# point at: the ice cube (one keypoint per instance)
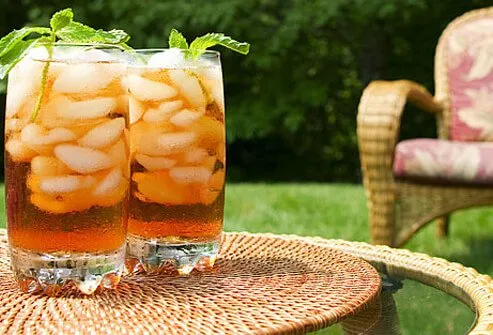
(170, 58)
(176, 142)
(213, 83)
(135, 110)
(16, 96)
(48, 166)
(185, 118)
(189, 86)
(147, 144)
(49, 112)
(154, 163)
(145, 89)
(38, 54)
(118, 153)
(87, 109)
(23, 83)
(65, 184)
(34, 134)
(14, 125)
(109, 183)
(68, 202)
(163, 112)
(95, 55)
(195, 155)
(158, 187)
(19, 151)
(84, 78)
(165, 144)
(210, 191)
(104, 134)
(83, 160)
(190, 174)
(24, 110)
(209, 132)
(50, 119)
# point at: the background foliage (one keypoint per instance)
(292, 102)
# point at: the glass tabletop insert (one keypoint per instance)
(408, 307)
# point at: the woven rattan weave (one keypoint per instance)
(261, 284)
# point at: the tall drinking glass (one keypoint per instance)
(177, 141)
(67, 168)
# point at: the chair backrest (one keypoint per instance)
(464, 77)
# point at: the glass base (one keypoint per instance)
(50, 272)
(154, 255)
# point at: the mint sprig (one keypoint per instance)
(76, 32)
(177, 40)
(61, 19)
(200, 44)
(14, 46)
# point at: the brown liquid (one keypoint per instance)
(97, 229)
(196, 222)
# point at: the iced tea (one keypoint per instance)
(177, 148)
(67, 168)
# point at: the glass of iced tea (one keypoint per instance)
(177, 150)
(67, 167)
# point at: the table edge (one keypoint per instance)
(455, 279)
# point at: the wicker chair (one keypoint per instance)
(413, 182)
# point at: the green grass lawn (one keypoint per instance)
(339, 211)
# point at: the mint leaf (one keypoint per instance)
(11, 40)
(61, 19)
(76, 32)
(200, 44)
(13, 55)
(177, 40)
(114, 36)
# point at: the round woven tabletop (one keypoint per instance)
(260, 284)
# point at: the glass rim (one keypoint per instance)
(82, 46)
(73, 44)
(156, 50)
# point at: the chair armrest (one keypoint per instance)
(379, 118)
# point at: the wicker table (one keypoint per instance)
(264, 284)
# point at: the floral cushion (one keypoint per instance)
(432, 160)
(469, 61)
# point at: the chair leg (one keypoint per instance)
(443, 225)
(382, 218)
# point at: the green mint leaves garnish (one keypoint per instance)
(69, 31)
(177, 40)
(200, 44)
(61, 19)
(14, 46)
(76, 32)
(63, 28)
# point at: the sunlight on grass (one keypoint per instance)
(330, 211)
